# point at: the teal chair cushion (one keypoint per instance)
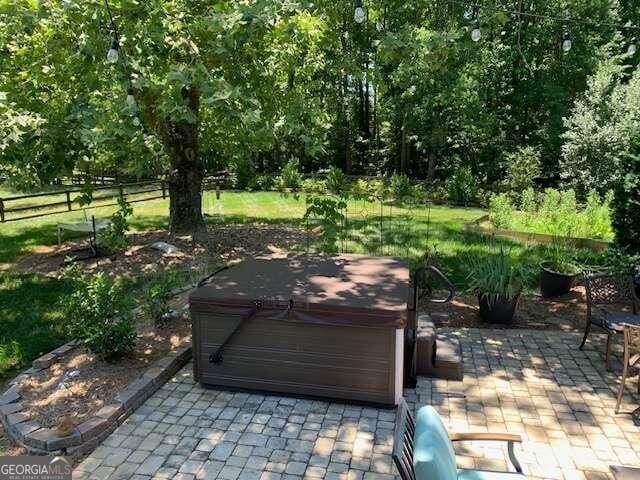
(464, 474)
(433, 454)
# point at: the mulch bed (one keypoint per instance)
(81, 383)
(223, 243)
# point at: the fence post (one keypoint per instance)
(121, 192)
(69, 207)
(1, 210)
(164, 190)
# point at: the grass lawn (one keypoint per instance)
(30, 318)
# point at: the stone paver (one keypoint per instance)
(534, 383)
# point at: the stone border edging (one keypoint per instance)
(598, 245)
(90, 433)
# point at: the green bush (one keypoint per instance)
(242, 175)
(265, 182)
(500, 211)
(155, 303)
(528, 205)
(114, 237)
(328, 212)
(400, 186)
(364, 186)
(462, 187)
(98, 314)
(337, 181)
(620, 261)
(290, 177)
(523, 167)
(314, 185)
(626, 210)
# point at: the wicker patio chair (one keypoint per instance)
(603, 291)
(423, 449)
(631, 343)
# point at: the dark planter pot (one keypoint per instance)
(497, 310)
(555, 284)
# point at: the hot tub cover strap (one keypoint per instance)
(216, 358)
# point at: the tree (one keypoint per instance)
(189, 65)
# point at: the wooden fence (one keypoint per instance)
(24, 207)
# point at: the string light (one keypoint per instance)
(359, 14)
(476, 34)
(566, 41)
(131, 100)
(112, 54)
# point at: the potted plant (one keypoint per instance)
(558, 274)
(498, 282)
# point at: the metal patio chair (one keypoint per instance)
(423, 449)
(631, 342)
(605, 290)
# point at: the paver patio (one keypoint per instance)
(536, 383)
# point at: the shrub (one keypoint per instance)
(115, 236)
(328, 211)
(528, 205)
(462, 187)
(337, 181)
(400, 186)
(155, 303)
(523, 167)
(242, 175)
(290, 177)
(626, 210)
(596, 216)
(620, 261)
(265, 182)
(364, 186)
(98, 315)
(314, 185)
(500, 211)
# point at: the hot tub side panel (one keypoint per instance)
(345, 362)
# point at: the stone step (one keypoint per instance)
(436, 355)
(448, 363)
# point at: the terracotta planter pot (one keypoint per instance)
(497, 310)
(555, 284)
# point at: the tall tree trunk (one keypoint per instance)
(185, 179)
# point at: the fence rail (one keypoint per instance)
(71, 200)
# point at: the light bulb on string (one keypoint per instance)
(359, 14)
(112, 54)
(131, 99)
(566, 41)
(476, 34)
(633, 46)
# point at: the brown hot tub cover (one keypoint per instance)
(335, 290)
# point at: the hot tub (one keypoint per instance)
(328, 326)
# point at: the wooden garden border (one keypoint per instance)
(598, 245)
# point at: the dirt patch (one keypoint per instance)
(223, 243)
(566, 313)
(80, 383)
